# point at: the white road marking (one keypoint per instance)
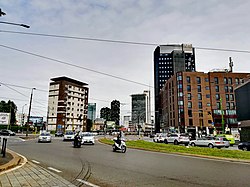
(35, 161)
(87, 183)
(53, 169)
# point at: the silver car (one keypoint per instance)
(208, 142)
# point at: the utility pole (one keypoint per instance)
(28, 119)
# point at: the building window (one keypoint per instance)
(225, 80)
(200, 105)
(189, 96)
(199, 96)
(232, 106)
(217, 88)
(216, 80)
(188, 79)
(189, 104)
(207, 95)
(201, 113)
(227, 105)
(230, 89)
(226, 88)
(198, 79)
(189, 88)
(190, 122)
(227, 97)
(236, 80)
(190, 113)
(230, 81)
(218, 105)
(217, 96)
(231, 97)
(199, 88)
(206, 80)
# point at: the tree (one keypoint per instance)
(9, 107)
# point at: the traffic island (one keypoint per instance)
(10, 161)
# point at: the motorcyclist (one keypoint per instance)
(76, 139)
(119, 137)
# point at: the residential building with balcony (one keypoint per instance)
(67, 104)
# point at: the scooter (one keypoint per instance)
(122, 147)
(77, 143)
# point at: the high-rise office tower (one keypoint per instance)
(169, 59)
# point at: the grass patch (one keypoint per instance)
(169, 148)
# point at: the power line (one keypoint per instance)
(72, 65)
(13, 85)
(115, 41)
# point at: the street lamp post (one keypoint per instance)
(22, 117)
(31, 95)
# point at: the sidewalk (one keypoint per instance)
(20, 173)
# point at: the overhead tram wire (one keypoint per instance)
(115, 41)
(72, 65)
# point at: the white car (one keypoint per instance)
(88, 138)
(159, 137)
(177, 139)
(44, 137)
(208, 142)
(69, 136)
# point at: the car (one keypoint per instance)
(88, 138)
(159, 137)
(230, 137)
(226, 141)
(44, 137)
(59, 134)
(6, 132)
(208, 142)
(245, 146)
(68, 136)
(177, 139)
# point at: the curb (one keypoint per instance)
(16, 162)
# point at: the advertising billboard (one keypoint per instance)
(36, 121)
(4, 118)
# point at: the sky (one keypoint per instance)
(30, 61)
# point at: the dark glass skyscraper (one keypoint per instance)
(169, 59)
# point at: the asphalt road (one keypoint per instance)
(99, 165)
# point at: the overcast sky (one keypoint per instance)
(220, 24)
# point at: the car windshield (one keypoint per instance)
(45, 134)
(87, 135)
(69, 133)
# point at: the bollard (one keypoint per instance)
(4, 147)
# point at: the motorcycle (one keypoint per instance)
(77, 143)
(122, 146)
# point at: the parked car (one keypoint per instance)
(208, 142)
(68, 136)
(230, 137)
(245, 146)
(226, 141)
(44, 137)
(159, 137)
(88, 138)
(6, 132)
(59, 134)
(177, 139)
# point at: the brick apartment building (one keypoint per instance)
(198, 101)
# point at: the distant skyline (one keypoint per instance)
(204, 24)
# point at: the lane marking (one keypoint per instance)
(87, 183)
(53, 169)
(35, 161)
